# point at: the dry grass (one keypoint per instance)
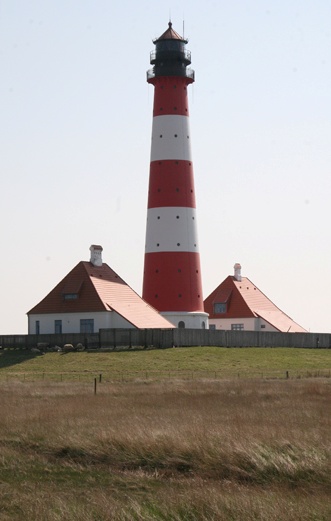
(203, 450)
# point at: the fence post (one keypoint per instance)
(287, 375)
(100, 377)
(95, 386)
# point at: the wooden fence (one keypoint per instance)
(164, 338)
(88, 377)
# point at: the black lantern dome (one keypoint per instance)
(170, 58)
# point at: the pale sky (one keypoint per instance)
(75, 133)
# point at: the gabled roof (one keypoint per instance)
(245, 300)
(89, 288)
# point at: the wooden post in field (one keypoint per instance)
(95, 386)
(100, 377)
(287, 375)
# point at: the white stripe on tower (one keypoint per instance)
(172, 275)
(171, 138)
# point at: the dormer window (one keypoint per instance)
(219, 308)
(70, 296)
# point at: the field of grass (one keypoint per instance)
(170, 435)
(203, 450)
(195, 362)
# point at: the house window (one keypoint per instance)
(262, 326)
(37, 327)
(70, 296)
(220, 307)
(212, 327)
(237, 327)
(87, 325)
(58, 327)
(181, 324)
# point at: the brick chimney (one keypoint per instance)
(237, 271)
(96, 255)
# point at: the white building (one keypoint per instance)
(92, 297)
(237, 304)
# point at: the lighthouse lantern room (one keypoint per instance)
(172, 272)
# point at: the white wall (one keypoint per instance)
(191, 320)
(250, 324)
(71, 322)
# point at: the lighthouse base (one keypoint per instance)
(186, 319)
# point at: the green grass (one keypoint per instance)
(222, 362)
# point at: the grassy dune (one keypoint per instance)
(227, 449)
(198, 360)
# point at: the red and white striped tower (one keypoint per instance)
(172, 274)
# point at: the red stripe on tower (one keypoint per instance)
(172, 275)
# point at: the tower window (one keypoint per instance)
(181, 324)
(161, 135)
(178, 243)
(176, 135)
(177, 216)
(158, 244)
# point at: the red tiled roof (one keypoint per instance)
(237, 306)
(248, 301)
(169, 34)
(99, 289)
(283, 322)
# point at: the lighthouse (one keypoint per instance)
(172, 272)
